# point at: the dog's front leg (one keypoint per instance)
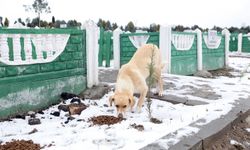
(143, 94)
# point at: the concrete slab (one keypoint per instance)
(206, 133)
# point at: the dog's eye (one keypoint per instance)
(116, 106)
(124, 106)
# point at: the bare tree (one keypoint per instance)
(39, 7)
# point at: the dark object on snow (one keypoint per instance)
(34, 121)
(20, 117)
(76, 108)
(66, 95)
(70, 118)
(40, 112)
(105, 105)
(105, 120)
(138, 127)
(75, 99)
(96, 92)
(33, 131)
(64, 108)
(155, 120)
(79, 120)
(56, 113)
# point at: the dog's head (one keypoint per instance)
(122, 101)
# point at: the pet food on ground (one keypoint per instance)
(20, 145)
(105, 120)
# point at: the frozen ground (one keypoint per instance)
(221, 94)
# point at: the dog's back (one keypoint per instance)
(143, 57)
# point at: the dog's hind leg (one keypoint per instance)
(159, 81)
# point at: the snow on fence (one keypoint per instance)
(37, 65)
(183, 53)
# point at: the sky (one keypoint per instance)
(205, 13)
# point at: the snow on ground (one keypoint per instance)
(176, 118)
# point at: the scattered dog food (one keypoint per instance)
(137, 127)
(105, 120)
(20, 145)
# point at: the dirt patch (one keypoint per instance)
(222, 72)
(105, 120)
(20, 145)
(236, 137)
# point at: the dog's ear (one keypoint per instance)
(111, 100)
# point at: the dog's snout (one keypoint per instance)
(120, 115)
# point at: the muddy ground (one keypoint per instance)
(236, 136)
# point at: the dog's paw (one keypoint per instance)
(160, 94)
(138, 109)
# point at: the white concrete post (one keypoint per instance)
(165, 47)
(199, 49)
(17, 47)
(240, 43)
(227, 39)
(116, 48)
(92, 49)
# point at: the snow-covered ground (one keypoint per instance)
(80, 134)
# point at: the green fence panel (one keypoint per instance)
(184, 62)
(233, 43)
(127, 49)
(37, 86)
(213, 59)
(246, 44)
(105, 47)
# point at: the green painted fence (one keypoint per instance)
(213, 59)
(184, 62)
(246, 44)
(233, 43)
(105, 48)
(127, 49)
(36, 86)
